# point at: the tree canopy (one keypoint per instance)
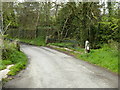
(98, 22)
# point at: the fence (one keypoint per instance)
(67, 43)
(28, 34)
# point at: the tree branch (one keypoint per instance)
(6, 27)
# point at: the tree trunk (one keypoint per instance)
(37, 21)
(1, 45)
(1, 30)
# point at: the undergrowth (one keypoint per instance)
(11, 55)
(104, 57)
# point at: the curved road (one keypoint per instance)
(49, 68)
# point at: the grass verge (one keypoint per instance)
(39, 41)
(11, 55)
(105, 57)
(19, 60)
(2, 65)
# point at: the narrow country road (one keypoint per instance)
(49, 68)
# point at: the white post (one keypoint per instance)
(87, 47)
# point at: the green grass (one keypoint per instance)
(15, 57)
(61, 44)
(12, 56)
(69, 45)
(7, 62)
(40, 41)
(2, 65)
(16, 68)
(105, 57)
(19, 60)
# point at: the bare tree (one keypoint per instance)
(1, 30)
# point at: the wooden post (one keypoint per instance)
(46, 40)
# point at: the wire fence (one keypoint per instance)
(67, 43)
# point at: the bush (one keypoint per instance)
(20, 61)
(2, 65)
(7, 62)
(13, 56)
(16, 68)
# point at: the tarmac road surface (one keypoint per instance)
(49, 68)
